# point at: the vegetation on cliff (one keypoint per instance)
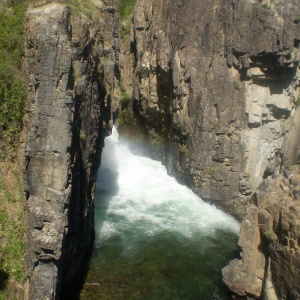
(12, 88)
(124, 118)
(12, 108)
(12, 231)
(125, 9)
(84, 7)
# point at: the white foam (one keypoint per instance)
(147, 199)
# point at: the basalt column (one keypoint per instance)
(215, 85)
(67, 103)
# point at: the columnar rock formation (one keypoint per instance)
(216, 89)
(217, 82)
(68, 60)
(269, 241)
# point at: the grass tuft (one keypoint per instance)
(126, 8)
(297, 20)
(237, 85)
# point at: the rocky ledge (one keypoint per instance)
(269, 267)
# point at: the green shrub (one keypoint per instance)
(126, 8)
(124, 118)
(12, 232)
(237, 85)
(125, 31)
(297, 102)
(125, 98)
(270, 235)
(184, 150)
(297, 20)
(12, 107)
(13, 248)
(12, 87)
(157, 141)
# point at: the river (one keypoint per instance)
(155, 239)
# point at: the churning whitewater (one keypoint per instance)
(147, 199)
(155, 239)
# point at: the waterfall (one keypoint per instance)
(154, 236)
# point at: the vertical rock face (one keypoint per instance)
(65, 62)
(270, 232)
(216, 88)
(217, 83)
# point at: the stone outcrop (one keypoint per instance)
(215, 86)
(269, 240)
(215, 89)
(69, 61)
(215, 92)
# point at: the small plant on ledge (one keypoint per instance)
(270, 236)
(266, 7)
(157, 141)
(237, 85)
(184, 150)
(297, 102)
(297, 20)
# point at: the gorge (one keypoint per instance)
(155, 239)
(210, 88)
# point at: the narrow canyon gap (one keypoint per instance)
(155, 239)
(213, 88)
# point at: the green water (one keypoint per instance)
(155, 239)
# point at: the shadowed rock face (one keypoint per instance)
(216, 82)
(215, 87)
(67, 104)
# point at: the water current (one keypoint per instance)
(155, 239)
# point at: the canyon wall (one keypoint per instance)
(216, 87)
(270, 242)
(215, 92)
(69, 63)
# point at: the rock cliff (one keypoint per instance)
(216, 93)
(69, 62)
(269, 240)
(216, 85)
(215, 89)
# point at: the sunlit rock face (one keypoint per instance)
(216, 83)
(67, 105)
(269, 241)
(216, 88)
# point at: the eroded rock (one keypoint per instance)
(217, 89)
(269, 241)
(67, 105)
